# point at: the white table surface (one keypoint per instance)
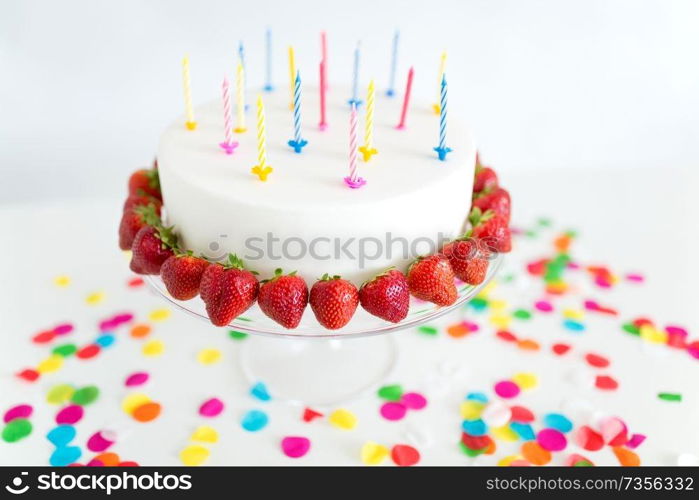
(630, 221)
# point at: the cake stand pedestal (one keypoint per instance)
(313, 366)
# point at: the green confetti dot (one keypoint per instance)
(544, 222)
(391, 392)
(522, 314)
(582, 463)
(428, 330)
(469, 452)
(16, 429)
(65, 350)
(670, 396)
(530, 234)
(631, 328)
(59, 394)
(478, 303)
(85, 395)
(237, 335)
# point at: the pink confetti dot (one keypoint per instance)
(506, 389)
(71, 414)
(211, 407)
(19, 411)
(63, 329)
(295, 446)
(123, 318)
(393, 411)
(544, 306)
(414, 400)
(100, 441)
(638, 278)
(135, 379)
(635, 441)
(94, 463)
(551, 440)
(676, 330)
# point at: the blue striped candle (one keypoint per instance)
(355, 79)
(241, 58)
(297, 142)
(268, 61)
(390, 92)
(442, 149)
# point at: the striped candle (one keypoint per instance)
(390, 91)
(241, 60)
(368, 149)
(406, 99)
(353, 180)
(323, 88)
(268, 61)
(442, 68)
(297, 142)
(189, 111)
(228, 145)
(240, 98)
(262, 169)
(354, 100)
(442, 149)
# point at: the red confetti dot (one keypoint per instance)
(596, 360)
(135, 282)
(309, 415)
(606, 383)
(475, 442)
(128, 463)
(89, 351)
(28, 374)
(44, 337)
(404, 455)
(588, 439)
(506, 336)
(639, 322)
(521, 414)
(560, 349)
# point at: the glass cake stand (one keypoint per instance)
(314, 366)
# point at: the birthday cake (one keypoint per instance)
(348, 207)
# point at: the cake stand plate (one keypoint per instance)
(314, 366)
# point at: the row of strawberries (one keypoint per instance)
(228, 289)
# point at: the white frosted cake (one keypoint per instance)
(303, 216)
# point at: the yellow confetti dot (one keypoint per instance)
(504, 433)
(59, 394)
(373, 453)
(159, 314)
(525, 380)
(94, 298)
(50, 364)
(61, 281)
(153, 348)
(205, 433)
(498, 304)
(194, 454)
(343, 419)
(209, 356)
(471, 410)
(500, 320)
(576, 314)
(506, 461)
(133, 401)
(487, 290)
(652, 334)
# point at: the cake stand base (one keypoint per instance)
(318, 372)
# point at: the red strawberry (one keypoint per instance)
(333, 301)
(228, 290)
(495, 199)
(182, 275)
(386, 296)
(132, 220)
(284, 298)
(485, 178)
(468, 265)
(142, 200)
(492, 229)
(145, 180)
(432, 279)
(151, 247)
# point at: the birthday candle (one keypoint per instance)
(297, 142)
(390, 92)
(324, 56)
(292, 75)
(241, 59)
(355, 79)
(442, 149)
(240, 98)
(189, 112)
(368, 148)
(406, 99)
(262, 169)
(323, 87)
(442, 67)
(227, 145)
(353, 180)
(268, 60)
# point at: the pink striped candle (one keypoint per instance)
(353, 180)
(323, 119)
(406, 99)
(228, 145)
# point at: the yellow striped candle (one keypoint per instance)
(189, 111)
(368, 149)
(292, 76)
(240, 99)
(442, 68)
(261, 170)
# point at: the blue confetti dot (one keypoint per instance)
(524, 431)
(558, 422)
(254, 420)
(259, 391)
(477, 396)
(105, 340)
(61, 435)
(573, 326)
(475, 427)
(65, 455)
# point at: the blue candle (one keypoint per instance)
(355, 79)
(390, 92)
(241, 58)
(268, 48)
(442, 149)
(297, 142)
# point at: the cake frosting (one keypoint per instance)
(304, 217)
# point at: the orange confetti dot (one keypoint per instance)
(490, 450)
(626, 457)
(535, 453)
(528, 345)
(562, 243)
(108, 459)
(458, 330)
(141, 330)
(147, 412)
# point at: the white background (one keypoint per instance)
(87, 86)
